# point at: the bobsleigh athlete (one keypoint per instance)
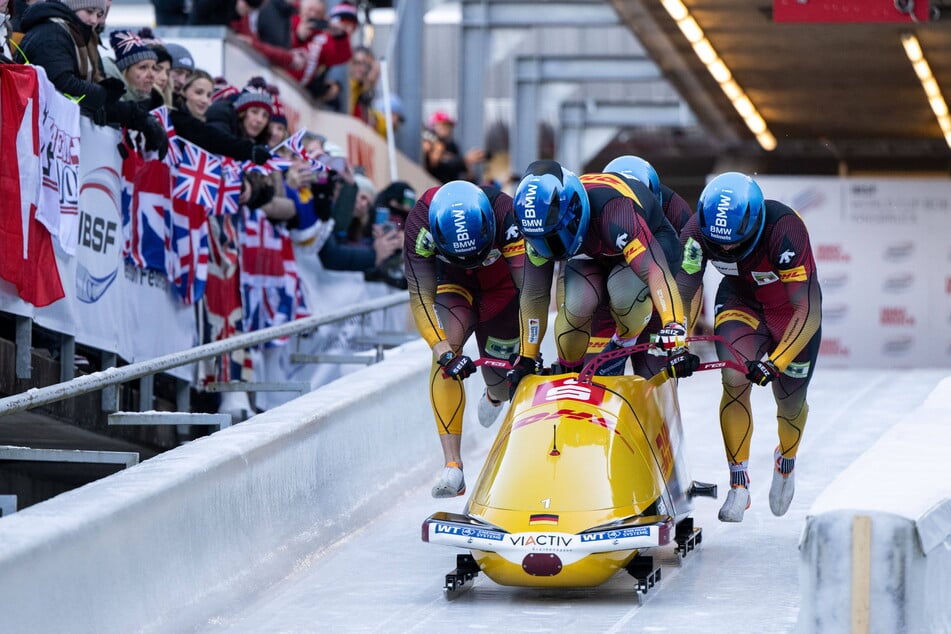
(768, 308)
(463, 257)
(596, 225)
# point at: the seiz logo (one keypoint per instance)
(565, 414)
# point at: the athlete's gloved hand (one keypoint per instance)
(521, 367)
(681, 363)
(671, 337)
(456, 366)
(762, 372)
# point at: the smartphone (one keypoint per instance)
(382, 216)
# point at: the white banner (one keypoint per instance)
(883, 257)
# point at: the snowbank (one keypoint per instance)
(876, 549)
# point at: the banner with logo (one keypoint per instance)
(884, 263)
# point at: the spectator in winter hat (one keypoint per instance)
(182, 65)
(277, 127)
(135, 61)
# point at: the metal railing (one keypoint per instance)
(35, 397)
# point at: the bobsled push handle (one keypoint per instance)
(591, 368)
(493, 363)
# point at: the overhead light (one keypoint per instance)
(930, 85)
(720, 72)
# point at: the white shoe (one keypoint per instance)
(451, 483)
(783, 487)
(737, 501)
(488, 410)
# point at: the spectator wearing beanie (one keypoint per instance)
(135, 63)
(246, 115)
(183, 64)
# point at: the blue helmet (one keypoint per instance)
(552, 210)
(637, 168)
(732, 213)
(462, 222)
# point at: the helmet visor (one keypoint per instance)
(553, 246)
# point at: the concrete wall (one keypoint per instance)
(876, 550)
(156, 545)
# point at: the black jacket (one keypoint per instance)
(54, 46)
(211, 138)
(222, 115)
(46, 43)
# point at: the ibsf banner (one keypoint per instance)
(108, 304)
(884, 264)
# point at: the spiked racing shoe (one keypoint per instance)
(784, 484)
(488, 410)
(737, 501)
(451, 482)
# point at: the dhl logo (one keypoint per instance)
(797, 274)
(614, 182)
(566, 414)
(515, 248)
(662, 441)
(633, 249)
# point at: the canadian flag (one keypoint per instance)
(27, 259)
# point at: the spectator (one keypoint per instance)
(274, 22)
(247, 12)
(135, 61)
(247, 115)
(441, 153)
(277, 126)
(163, 65)
(362, 74)
(397, 199)
(182, 65)
(310, 20)
(196, 94)
(309, 62)
(60, 38)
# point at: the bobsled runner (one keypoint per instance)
(586, 475)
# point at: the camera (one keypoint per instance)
(318, 24)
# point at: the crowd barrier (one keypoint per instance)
(876, 549)
(157, 544)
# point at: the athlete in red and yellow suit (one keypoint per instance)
(450, 303)
(619, 263)
(768, 303)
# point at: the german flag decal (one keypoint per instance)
(543, 518)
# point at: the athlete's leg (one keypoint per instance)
(583, 291)
(457, 316)
(497, 336)
(741, 327)
(631, 303)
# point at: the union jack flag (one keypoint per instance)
(295, 143)
(197, 177)
(230, 191)
(273, 164)
(174, 151)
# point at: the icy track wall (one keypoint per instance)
(876, 550)
(155, 546)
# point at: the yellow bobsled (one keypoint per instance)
(586, 474)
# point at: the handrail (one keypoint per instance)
(35, 397)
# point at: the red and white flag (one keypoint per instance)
(27, 259)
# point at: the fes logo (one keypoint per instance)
(621, 241)
(786, 256)
(511, 233)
